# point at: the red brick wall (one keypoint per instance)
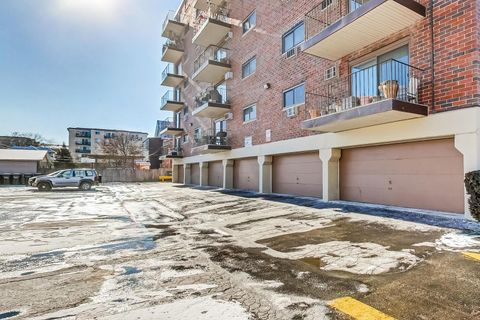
(457, 68)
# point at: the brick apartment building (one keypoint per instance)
(84, 143)
(372, 101)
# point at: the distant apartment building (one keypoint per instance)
(86, 142)
(363, 101)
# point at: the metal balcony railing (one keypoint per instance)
(83, 151)
(328, 12)
(220, 13)
(172, 16)
(211, 137)
(172, 151)
(83, 135)
(176, 44)
(212, 94)
(391, 79)
(169, 96)
(83, 143)
(170, 69)
(214, 53)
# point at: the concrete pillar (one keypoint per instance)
(265, 174)
(203, 174)
(187, 178)
(175, 173)
(469, 145)
(331, 173)
(227, 174)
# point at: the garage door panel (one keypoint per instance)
(298, 174)
(246, 174)
(215, 174)
(429, 177)
(195, 174)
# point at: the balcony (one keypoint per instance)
(169, 152)
(212, 64)
(83, 143)
(213, 26)
(170, 78)
(173, 28)
(172, 103)
(336, 28)
(211, 143)
(384, 93)
(171, 128)
(173, 51)
(83, 135)
(203, 5)
(213, 103)
(86, 151)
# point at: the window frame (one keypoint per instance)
(248, 19)
(291, 31)
(254, 108)
(248, 63)
(292, 89)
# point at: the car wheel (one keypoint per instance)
(44, 186)
(85, 186)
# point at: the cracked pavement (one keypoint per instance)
(160, 251)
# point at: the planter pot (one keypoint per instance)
(315, 113)
(389, 89)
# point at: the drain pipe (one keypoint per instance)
(432, 59)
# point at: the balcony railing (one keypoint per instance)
(83, 135)
(171, 16)
(177, 44)
(83, 143)
(172, 152)
(170, 69)
(169, 96)
(328, 12)
(391, 79)
(219, 13)
(212, 138)
(217, 95)
(83, 151)
(212, 53)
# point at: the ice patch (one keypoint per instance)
(203, 308)
(458, 241)
(169, 273)
(359, 258)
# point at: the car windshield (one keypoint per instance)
(53, 174)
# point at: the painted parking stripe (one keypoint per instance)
(358, 310)
(472, 255)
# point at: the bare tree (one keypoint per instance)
(122, 149)
(35, 139)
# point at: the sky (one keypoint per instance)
(81, 63)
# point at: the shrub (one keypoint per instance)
(472, 184)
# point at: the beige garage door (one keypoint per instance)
(195, 174)
(426, 175)
(298, 174)
(215, 174)
(245, 174)
(180, 174)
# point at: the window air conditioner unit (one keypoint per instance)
(229, 116)
(291, 111)
(229, 75)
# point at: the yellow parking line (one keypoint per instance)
(472, 255)
(358, 310)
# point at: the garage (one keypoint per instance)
(215, 174)
(425, 175)
(245, 174)
(195, 174)
(298, 174)
(180, 174)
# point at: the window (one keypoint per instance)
(330, 73)
(185, 110)
(293, 37)
(79, 173)
(294, 96)
(66, 174)
(89, 173)
(326, 4)
(220, 126)
(250, 113)
(97, 132)
(185, 138)
(249, 67)
(250, 22)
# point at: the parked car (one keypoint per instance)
(83, 179)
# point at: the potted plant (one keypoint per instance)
(389, 88)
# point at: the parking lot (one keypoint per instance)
(160, 251)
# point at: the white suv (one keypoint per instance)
(83, 179)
